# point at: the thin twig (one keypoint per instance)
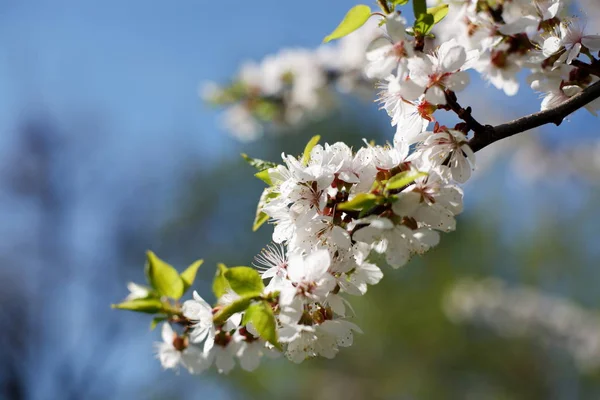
(491, 134)
(462, 113)
(384, 6)
(593, 69)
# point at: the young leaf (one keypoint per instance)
(260, 165)
(264, 176)
(245, 281)
(360, 202)
(220, 284)
(237, 306)
(438, 12)
(423, 24)
(150, 306)
(260, 219)
(403, 178)
(163, 277)
(354, 19)
(419, 7)
(267, 195)
(261, 316)
(309, 146)
(189, 275)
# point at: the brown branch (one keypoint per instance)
(462, 113)
(593, 69)
(491, 134)
(384, 6)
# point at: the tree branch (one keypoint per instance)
(593, 69)
(384, 6)
(491, 134)
(462, 113)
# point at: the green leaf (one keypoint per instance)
(150, 306)
(163, 277)
(189, 275)
(438, 12)
(366, 211)
(264, 176)
(419, 7)
(259, 220)
(237, 306)
(245, 281)
(423, 24)
(354, 19)
(360, 202)
(309, 146)
(403, 178)
(220, 284)
(261, 316)
(396, 3)
(260, 165)
(265, 110)
(426, 18)
(156, 321)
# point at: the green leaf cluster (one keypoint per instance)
(165, 282)
(366, 202)
(426, 18)
(260, 165)
(247, 283)
(233, 93)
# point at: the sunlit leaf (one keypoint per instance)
(309, 146)
(354, 19)
(163, 277)
(150, 306)
(244, 281)
(264, 176)
(260, 165)
(237, 306)
(261, 316)
(260, 218)
(426, 18)
(220, 284)
(438, 12)
(423, 24)
(360, 202)
(404, 178)
(189, 275)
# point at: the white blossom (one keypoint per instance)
(200, 313)
(174, 351)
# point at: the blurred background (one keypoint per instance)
(106, 150)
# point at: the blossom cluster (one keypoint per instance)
(292, 86)
(523, 311)
(517, 35)
(497, 40)
(340, 215)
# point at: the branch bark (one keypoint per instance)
(490, 134)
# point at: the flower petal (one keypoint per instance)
(551, 46)
(453, 59)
